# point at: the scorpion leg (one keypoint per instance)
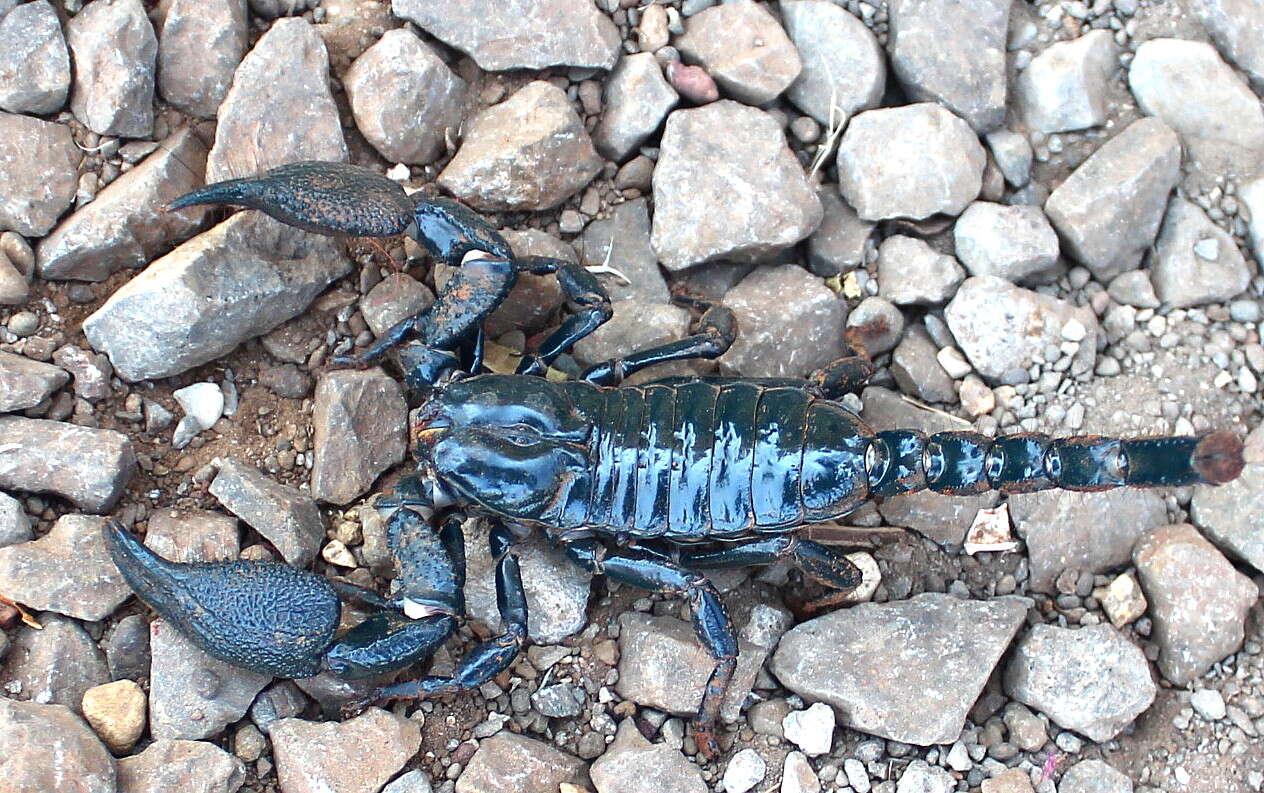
(649, 570)
(820, 563)
(717, 329)
(586, 297)
(847, 375)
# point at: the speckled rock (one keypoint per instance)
(744, 48)
(1094, 776)
(634, 765)
(789, 324)
(1195, 261)
(843, 64)
(1064, 88)
(15, 526)
(116, 711)
(1013, 242)
(529, 152)
(114, 51)
(360, 418)
(509, 763)
(875, 325)
(68, 571)
(921, 777)
(54, 665)
(25, 383)
(910, 272)
(1236, 27)
(39, 166)
(624, 240)
(839, 242)
(395, 298)
(917, 371)
(44, 746)
(34, 61)
(181, 767)
(356, 755)
(90, 467)
(638, 98)
(192, 535)
(285, 516)
(200, 45)
(721, 196)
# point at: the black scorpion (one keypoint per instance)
(644, 484)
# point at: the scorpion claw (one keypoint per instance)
(704, 737)
(357, 706)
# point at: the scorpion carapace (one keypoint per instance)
(645, 484)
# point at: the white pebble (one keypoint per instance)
(1074, 330)
(954, 362)
(857, 776)
(744, 771)
(797, 775)
(204, 402)
(1208, 703)
(1208, 249)
(812, 730)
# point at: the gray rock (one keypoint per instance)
(91, 371)
(519, 34)
(192, 535)
(360, 420)
(395, 299)
(1013, 242)
(264, 122)
(25, 383)
(90, 467)
(662, 665)
(15, 526)
(34, 61)
(559, 700)
(789, 324)
(114, 51)
(844, 70)
(1026, 730)
(921, 777)
(15, 289)
(743, 47)
(1195, 261)
(910, 272)
(638, 98)
(192, 695)
(876, 325)
(557, 589)
(953, 53)
(634, 765)
(636, 325)
(68, 571)
(414, 781)
(55, 665)
(1229, 514)
(1107, 212)
(359, 754)
(285, 516)
(530, 152)
(1094, 776)
(1013, 155)
(917, 371)
(125, 225)
(1091, 532)
(273, 9)
(1001, 327)
(281, 700)
(238, 280)
(127, 649)
(1091, 680)
(406, 101)
(181, 765)
(39, 164)
(1236, 27)
(1134, 288)
(623, 241)
(1064, 88)
(722, 196)
(912, 161)
(1187, 86)
(509, 763)
(1198, 601)
(907, 671)
(44, 746)
(200, 45)
(838, 244)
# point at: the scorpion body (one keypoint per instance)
(645, 484)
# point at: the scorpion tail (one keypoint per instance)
(966, 463)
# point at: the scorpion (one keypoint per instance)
(648, 485)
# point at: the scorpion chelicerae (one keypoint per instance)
(645, 484)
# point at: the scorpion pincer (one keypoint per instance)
(646, 484)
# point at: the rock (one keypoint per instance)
(168, 766)
(54, 665)
(1026, 730)
(1015, 780)
(917, 372)
(127, 649)
(192, 535)
(406, 101)
(744, 771)
(530, 152)
(907, 671)
(636, 325)
(742, 46)
(1064, 88)
(1091, 679)
(126, 225)
(1108, 211)
(68, 571)
(634, 765)
(919, 777)
(722, 196)
(624, 240)
(1188, 87)
(414, 781)
(39, 164)
(117, 712)
(360, 420)
(519, 34)
(42, 747)
(693, 83)
(1195, 261)
(838, 244)
(25, 383)
(356, 755)
(1134, 288)
(273, 9)
(1013, 155)
(15, 290)
(789, 324)
(281, 700)
(797, 775)
(90, 467)
(265, 122)
(1091, 532)
(638, 98)
(910, 272)
(1001, 327)
(15, 526)
(557, 589)
(811, 730)
(1122, 601)
(1013, 242)
(285, 516)
(844, 70)
(663, 665)
(953, 53)
(1228, 515)
(34, 61)
(238, 280)
(91, 372)
(394, 299)
(200, 45)
(1236, 27)
(535, 299)
(1208, 703)
(114, 51)
(912, 161)
(1094, 776)
(1198, 602)
(202, 402)
(192, 695)
(509, 763)
(876, 325)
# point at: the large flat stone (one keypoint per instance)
(90, 467)
(42, 747)
(360, 420)
(25, 383)
(39, 168)
(68, 571)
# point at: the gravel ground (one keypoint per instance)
(1037, 217)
